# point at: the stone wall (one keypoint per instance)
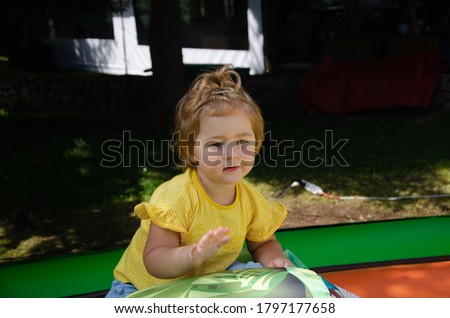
(72, 91)
(89, 91)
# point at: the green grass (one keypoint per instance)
(56, 198)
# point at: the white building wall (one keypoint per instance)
(123, 54)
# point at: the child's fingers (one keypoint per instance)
(214, 239)
(219, 232)
(222, 236)
(196, 249)
(208, 241)
(226, 239)
(280, 262)
(209, 244)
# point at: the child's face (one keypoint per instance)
(225, 148)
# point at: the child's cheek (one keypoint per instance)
(248, 156)
(211, 160)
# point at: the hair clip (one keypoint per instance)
(223, 90)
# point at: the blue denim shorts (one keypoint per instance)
(120, 290)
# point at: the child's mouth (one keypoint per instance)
(230, 169)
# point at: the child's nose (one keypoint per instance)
(231, 151)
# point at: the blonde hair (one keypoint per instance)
(212, 93)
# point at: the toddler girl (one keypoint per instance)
(198, 222)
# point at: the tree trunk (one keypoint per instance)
(165, 48)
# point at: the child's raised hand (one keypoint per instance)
(209, 244)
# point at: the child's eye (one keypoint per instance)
(216, 145)
(242, 142)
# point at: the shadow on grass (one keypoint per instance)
(381, 154)
(56, 197)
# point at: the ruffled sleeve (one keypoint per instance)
(168, 216)
(267, 218)
(170, 205)
(142, 211)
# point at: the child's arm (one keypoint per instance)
(165, 258)
(268, 253)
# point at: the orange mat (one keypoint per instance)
(425, 280)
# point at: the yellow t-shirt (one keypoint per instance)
(181, 205)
